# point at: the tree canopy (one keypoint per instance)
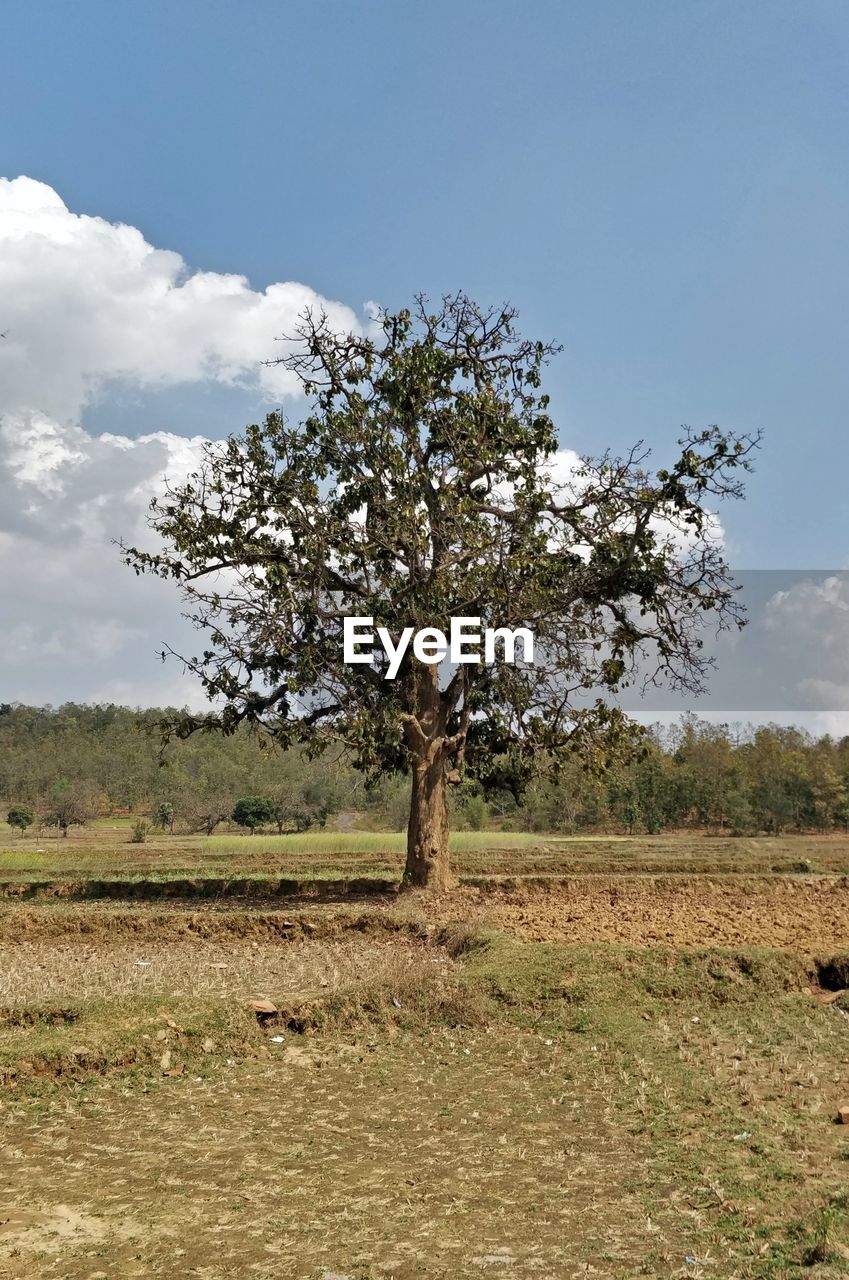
(424, 484)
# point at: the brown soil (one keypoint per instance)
(804, 915)
(458, 1155)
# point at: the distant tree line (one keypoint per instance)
(69, 764)
(66, 765)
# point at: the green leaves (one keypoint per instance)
(417, 488)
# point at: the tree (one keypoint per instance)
(70, 804)
(707, 773)
(164, 815)
(828, 794)
(252, 812)
(776, 768)
(476, 812)
(20, 816)
(207, 789)
(299, 810)
(425, 484)
(205, 811)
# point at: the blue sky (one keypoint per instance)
(663, 187)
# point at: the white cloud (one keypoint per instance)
(82, 303)
(76, 622)
(810, 619)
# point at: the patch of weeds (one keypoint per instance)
(821, 1239)
(581, 1023)
(37, 1015)
(720, 976)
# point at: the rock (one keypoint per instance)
(208, 1045)
(843, 1115)
(263, 1007)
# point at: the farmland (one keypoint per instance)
(248, 1056)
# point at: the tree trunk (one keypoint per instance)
(428, 865)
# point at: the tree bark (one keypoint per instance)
(428, 865)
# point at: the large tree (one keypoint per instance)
(424, 484)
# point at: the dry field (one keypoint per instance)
(606, 1058)
(104, 851)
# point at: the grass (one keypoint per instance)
(328, 844)
(106, 852)
(627, 1072)
(568, 1110)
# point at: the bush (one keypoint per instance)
(252, 812)
(140, 830)
(476, 813)
(20, 816)
(164, 815)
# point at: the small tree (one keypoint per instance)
(252, 812)
(476, 812)
(164, 815)
(424, 484)
(205, 812)
(299, 810)
(20, 816)
(70, 804)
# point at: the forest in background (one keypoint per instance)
(73, 763)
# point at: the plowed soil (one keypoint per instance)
(799, 914)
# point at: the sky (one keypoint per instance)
(663, 188)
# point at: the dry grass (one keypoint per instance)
(624, 1111)
(451, 1156)
(436, 1099)
(63, 972)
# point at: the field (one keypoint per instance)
(248, 1056)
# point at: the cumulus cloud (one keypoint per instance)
(76, 621)
(84, 302)
(809, 619)
(789, 665)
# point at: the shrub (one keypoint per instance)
(164, 815)
(20, 816)
(476, 813)
(252, 812)
(140, 830)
